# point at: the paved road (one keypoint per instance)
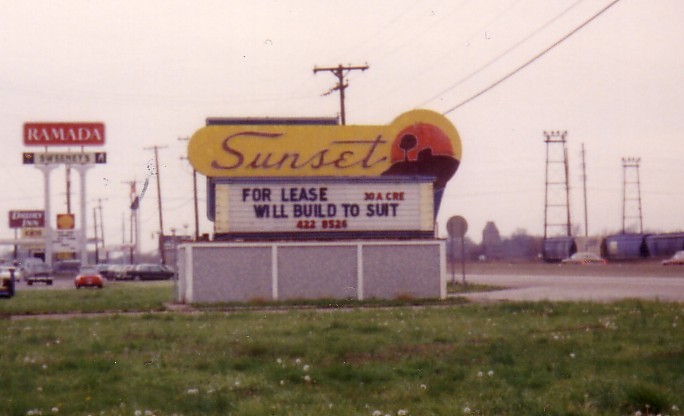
(577, 288)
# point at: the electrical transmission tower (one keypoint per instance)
(631, 193)
(557, 195)
(340, 72)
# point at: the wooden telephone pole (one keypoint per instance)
(340, 71)
(155, 172)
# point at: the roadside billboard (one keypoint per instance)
(417, 143)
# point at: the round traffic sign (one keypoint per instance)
(457, 226)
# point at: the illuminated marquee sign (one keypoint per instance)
(324, 206)
(417, 143)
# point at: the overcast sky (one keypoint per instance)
(152, 71)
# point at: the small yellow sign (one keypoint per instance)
(33, 232)
(65, 221)
(419, 142)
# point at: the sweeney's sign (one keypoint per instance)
(418, 142)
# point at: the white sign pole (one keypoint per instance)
(82, 240)
(46, 169)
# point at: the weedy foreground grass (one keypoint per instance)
(504, 359)
(116, 297)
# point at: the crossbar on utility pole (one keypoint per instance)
(159, 200)
(340, 71)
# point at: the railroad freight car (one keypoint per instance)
(624, 247)
(664, 245)
(556, 249)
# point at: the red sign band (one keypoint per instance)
(64, 134)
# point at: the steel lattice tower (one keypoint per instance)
(557, 194)
(631, 193)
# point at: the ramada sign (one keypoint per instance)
(64, 134)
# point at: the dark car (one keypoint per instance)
(151, 272)
(7, 281)
(106, 270)
(121, 271)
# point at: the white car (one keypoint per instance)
(676, 260)
(5, 272)
(584, 258)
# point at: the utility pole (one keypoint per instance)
(584, 185)
(134, 227)
(68, 188)
(101, 230)
(631, 192)
(194, 192)
(340, 72)
(97, 242)
(102, 234)
(159, 200)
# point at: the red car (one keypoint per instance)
(88, 277)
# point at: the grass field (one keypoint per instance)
(460, 359)
(117, 296)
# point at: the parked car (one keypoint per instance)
(584, 257)
(6, 286)
(106, 270)
(676, 260)
(121, 271)
(67, 268)
(5, 272)
(151, 272)
(88, 276)
(37, 273)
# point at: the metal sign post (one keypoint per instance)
(457, 227)
(82, 169)
(46, 169)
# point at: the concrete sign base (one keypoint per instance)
(366, 269)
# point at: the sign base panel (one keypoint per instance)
(263, 271)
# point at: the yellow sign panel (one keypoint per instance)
(65, 221)
(418, 142)
(33, 232)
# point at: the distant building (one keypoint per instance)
(491, 242)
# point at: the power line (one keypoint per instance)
(434, 65)
(501, 55)
(539, 55)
